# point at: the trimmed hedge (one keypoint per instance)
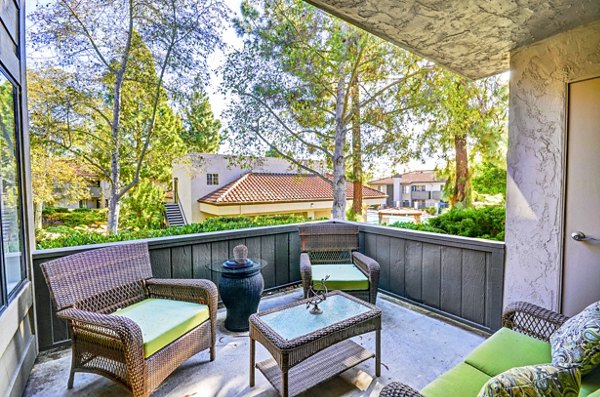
(483, 222)
(73, 237)
(71, 218)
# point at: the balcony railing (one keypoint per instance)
(420, 195)
(458, 277)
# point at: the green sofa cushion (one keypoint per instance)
(508, 349)
(590, 384)
(341, 277)
(460, 381)
(162, 321)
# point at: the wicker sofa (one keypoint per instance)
(331, 249)
(125, 324)
(522, 341)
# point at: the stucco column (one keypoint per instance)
(539, 79)
(397, 190)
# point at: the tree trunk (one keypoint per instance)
(114, 209)
(462, 181)
(339, 160)
(357, 199)
(37, 214)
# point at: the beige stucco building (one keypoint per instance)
(209, 185)
(415, 189)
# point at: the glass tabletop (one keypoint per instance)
(230, 266)
(296, 321)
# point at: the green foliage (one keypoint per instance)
(292, 89)
(463, 120)
(143, 207)
(351, 215)
(72, 237)
(54, 210)
(484, 222)
(119, 66)
(489, 178)
(71, 218)
(431, 210)
(202, 132)
(423, 227)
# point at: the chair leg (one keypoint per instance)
(71, 378)
(212, 353)
(74, 364)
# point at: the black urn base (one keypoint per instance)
(240, 292)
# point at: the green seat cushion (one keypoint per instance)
(590, 384)
(460, 381)
(508, 349)
(162, 321)
(341, 277)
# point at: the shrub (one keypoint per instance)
(72, 237)
(77, 217)
(423, 227)
(143, 207)
(54, 210)
(483, 222)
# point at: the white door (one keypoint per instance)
(581, 271)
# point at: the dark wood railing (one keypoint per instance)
(458, 277)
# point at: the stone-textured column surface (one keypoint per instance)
(539, 79)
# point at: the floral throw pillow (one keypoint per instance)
(577, 341)
(534, 381)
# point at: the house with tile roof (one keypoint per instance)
(416, 189)
(209, 185)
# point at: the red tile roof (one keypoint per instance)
(271, 188)
(410, 177)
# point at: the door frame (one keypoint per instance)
(562, 233)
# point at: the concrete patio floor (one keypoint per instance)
(416, 348)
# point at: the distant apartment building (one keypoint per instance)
(416, 189)
(99, 191)
(208, 185)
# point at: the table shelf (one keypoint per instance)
(326, 364)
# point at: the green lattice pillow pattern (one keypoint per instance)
(534, 381)
(577, 341)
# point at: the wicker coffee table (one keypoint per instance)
(310, 348)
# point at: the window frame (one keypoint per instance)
(7, 297)
(212, 179)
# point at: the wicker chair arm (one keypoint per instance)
(397, 389)
(532, 320)
(371, 267)
(124, 331)
(305, 271)
(191, 290)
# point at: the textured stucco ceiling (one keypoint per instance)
(471, 37)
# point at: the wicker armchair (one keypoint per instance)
(87, 287)
(522, 317)
(336, 243)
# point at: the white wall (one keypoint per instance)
(536, 152)
(397, 190)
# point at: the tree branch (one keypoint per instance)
(290, 158)
(285, 126)
(87, 34)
